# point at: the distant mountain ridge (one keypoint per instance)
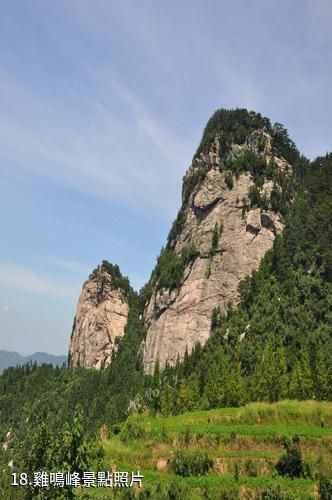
(12, 358)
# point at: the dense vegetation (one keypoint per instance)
(169, 270)
(196, 178)
(240, 127)
(45, 407)
(285, 184)
(234, 127)
(118, 279)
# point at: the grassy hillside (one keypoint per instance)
(243, 444)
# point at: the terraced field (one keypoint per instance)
(240, 445)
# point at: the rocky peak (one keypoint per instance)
(101, 317)
(233, 198)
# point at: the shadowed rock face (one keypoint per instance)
(101, 317)
(177, 319)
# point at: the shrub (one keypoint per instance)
(176, 226)
(275, 493)
(119, 281)
(215, 239)
(248, 161)
(244, 207)
(215, 318)
(175, 492)
(132, 429)
(276, 199)
(170, 267)
(251, 468)
(325, 488)
(291, 463)
(229, 180)
(196, 178)
(187, 437)
(231, 493)
(254, 197)
(233, 435)
(164, 436)
(236, 471)
(185, 464)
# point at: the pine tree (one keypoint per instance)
(167, 401)
(264, 378)
(294, 389)
(279, 390)
(300, 382)
(38, 455)
(70, 451)
(74, 446)
(321, 386)
(215, 239)
(306, 383)
(156, 388)
(215, 388)
(188, 394)
(235, 387)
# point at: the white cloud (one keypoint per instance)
(20, 278)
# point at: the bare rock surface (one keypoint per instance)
(177, 319)
(101, 317)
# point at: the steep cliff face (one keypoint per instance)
(228, 221)
(101, 317)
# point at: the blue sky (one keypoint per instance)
(102, 105)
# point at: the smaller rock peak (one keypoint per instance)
(110, 275)
(101, 317)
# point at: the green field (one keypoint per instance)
(244, 444)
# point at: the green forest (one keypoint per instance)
(262, 382)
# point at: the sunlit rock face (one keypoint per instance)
(179, 318)
(101, 317)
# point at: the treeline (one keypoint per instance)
(235, 125)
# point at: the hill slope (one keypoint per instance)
(228, 453)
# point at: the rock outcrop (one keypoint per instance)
(230, 236)
(233, 197)
(101, 317)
